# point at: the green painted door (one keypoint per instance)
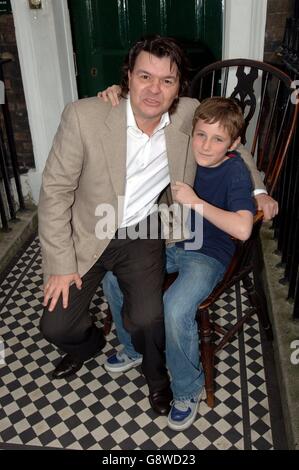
(104, 30)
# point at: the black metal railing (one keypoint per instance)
(289, 49)
(286, 224)
(9, 168)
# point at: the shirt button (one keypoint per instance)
(95, 256)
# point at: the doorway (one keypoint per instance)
(103, 31)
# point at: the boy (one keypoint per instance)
(223, 189)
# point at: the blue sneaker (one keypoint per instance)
(182, 413)
(120, 362)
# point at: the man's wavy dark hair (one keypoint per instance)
(160, 47)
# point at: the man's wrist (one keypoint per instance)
(256, 192)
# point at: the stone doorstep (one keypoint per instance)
(285, 330)
(21, 230)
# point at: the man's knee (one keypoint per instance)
(48, 327)
(54, 331)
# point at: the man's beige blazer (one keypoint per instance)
(86, 168)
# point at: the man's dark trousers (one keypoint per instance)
(139, 266)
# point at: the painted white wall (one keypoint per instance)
(46, 60)
(244, 29)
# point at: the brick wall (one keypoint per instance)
(277, 12)
(15, 93)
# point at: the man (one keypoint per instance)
(100, 153)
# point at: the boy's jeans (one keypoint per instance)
(198, 275)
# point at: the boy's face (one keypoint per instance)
(210, 143)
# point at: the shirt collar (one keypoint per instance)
(131, 122)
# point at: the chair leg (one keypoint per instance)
(107, 323)
(207, 355)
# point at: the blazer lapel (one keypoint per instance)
(115, 146)
(177, 142)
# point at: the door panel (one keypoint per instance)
(103, 31)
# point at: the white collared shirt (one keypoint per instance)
(147, 169)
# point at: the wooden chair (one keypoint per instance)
(264, 92)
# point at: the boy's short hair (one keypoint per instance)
(226, 111)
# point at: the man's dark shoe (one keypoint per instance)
(66, 367)
(69, 366)
(160, 401)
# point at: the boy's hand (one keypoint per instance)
(183, 193)
(268, 205)
(112, 94)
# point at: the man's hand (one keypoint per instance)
(268, 205)
(112, 94)
(57, 285)
(183, 193)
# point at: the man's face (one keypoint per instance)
(154, 84)
(210, 142)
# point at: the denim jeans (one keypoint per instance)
(198, 275)
(114, 297)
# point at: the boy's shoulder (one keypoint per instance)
(237, 174)
(237, 164)
(234, 156)
(231, 171)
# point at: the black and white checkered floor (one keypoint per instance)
(96, 410)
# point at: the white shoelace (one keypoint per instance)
(181, 405)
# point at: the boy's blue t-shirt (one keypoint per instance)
(229, 187)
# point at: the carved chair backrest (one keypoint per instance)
(267, 98)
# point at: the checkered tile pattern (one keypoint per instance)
(96, 410)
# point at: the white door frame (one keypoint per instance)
(244, 29)
(45, 49)
(46, 59)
